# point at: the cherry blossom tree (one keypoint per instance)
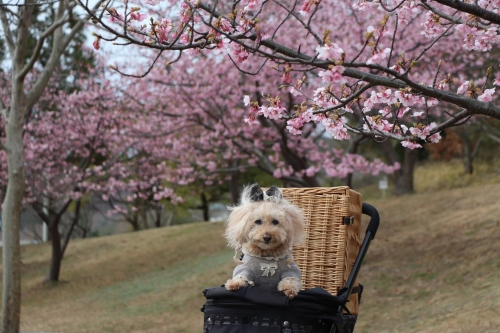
(28, 80)
(395, 70)
(385, 70)
(85, 143)
(198, 97)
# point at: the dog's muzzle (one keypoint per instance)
(267, 238)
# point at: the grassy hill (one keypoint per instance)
(434, 267)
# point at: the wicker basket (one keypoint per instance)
(331, 247)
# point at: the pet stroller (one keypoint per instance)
(329, 260)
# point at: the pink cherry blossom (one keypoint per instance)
(487, 95)
(333, 75)
(349, 77)
(332, 51)
(463, 87)
(432, 26)
(95, 44)
(432, 102)
(378, 57)
(410, 145)
(137, 16)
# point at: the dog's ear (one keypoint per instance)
(236, 226)
(256, 193)
(296, 218)
(273, 191)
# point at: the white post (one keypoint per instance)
(45, 229)
(383, 185)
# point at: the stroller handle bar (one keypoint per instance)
(371, 230)
(369, 210)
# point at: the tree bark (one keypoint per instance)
(352, 149)
(11, 217)
(468, 159)
(144, 216)
(469, 150)
(134, 221)
(205, 208)
(403, 178)
(55, 261)
(74, 223)
(12, 204)
(158, 217)
(233, 187)
(17, 34)
(404, 183)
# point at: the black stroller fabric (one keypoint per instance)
(259, 310)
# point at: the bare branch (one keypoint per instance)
(17, 4)
(146, 72)
(473, 9)
(9, 38)
(60, 43)
(40, 42)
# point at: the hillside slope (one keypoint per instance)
(434, 266)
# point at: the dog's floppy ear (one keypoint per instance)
(273, 191)
(296, 217)
(236, 226)
(256, 193)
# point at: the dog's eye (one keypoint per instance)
(258, 222)
(275, 222)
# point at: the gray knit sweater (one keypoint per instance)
(266, 272)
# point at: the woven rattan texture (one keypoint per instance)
(327, 255)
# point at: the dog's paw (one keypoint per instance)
(236, 283)
(290, 286)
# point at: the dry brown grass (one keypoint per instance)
(438, 175)
(137, 282)
(434, 266)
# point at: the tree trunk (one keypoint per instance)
(469, 150)
(144, 216)
(158, 217)
(404, 181)
(297, 163)
(352, 149)
(403, 178)
(134, 221)
(55, 262)
(205, 207)
(11, 220)
(18, 34)
(74, 223)
(468, 158)
(12, 204)
(233, 187)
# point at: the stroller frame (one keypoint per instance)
(341, 319)
(371, 230)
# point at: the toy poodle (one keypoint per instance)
(264, 226)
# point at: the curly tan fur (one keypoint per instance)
(290, 286)
(267, 228)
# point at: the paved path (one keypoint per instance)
(25, 242)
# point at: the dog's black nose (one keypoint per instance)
(267, 238)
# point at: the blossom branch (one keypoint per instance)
(148, 70)
(472, 9)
